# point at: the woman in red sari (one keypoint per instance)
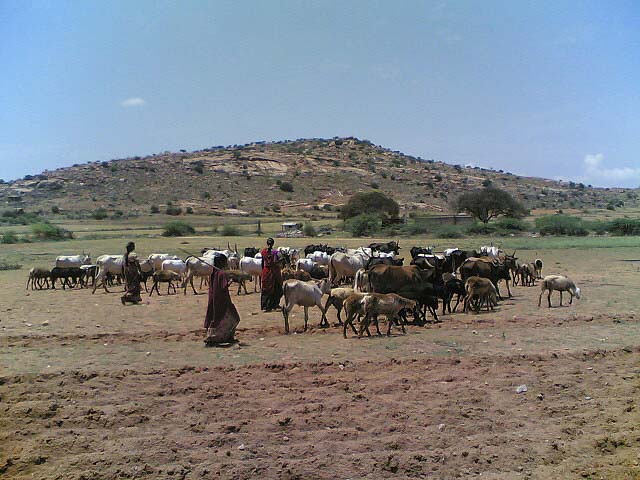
(271, 278)
(222, 317)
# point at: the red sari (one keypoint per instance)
(271, 280)
(222, 317)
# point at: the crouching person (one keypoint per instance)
(222, 317)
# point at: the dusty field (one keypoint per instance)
(90, 389)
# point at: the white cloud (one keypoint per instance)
(133, 102)
(598, 174)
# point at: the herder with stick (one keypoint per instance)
(222, 317)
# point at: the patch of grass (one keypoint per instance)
(229, 230)
(9, 237)
(561, 224)
(9, 266)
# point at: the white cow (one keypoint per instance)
(107, 264)
(321, 258)
(305, 264)
(343, 265)
(252, 266)
(176, 266)
(157, 259)
(69, 261)
(365, 251)
(489, 251)
(197, 267)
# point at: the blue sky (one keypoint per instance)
(537, 88)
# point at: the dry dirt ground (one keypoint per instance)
(93, 390)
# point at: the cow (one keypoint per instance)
(388, 247)
(252, 266)
(68, 261)
(373, 261)
(343, 266)
(107, 265)
(390, 279)
(305, 294)
(321, 258)
(415, 251)
(196, 267)
(157, 258)
(479, 290)
(69, 276)
(251, 251)
(486, 268)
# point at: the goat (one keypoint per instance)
(36, 277)
(480, 290)
(561, 284)
(165, 276)
(337, 296)
(354, 307)
(288, 274)
(538, 268)
(305, 294)
(389, 304)
(239, 277)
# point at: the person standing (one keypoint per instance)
(271, 278)
(131, 273)
(222, 317)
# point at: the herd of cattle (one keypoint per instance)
(365, 282)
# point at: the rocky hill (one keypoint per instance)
(289, 176)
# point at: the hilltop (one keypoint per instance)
(255, 179)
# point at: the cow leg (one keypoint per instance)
(285, 314)
(327, 304)
(560, 297)
(244, 286)
(339, 308)
(549, 298)
(508, 289)
(434, 313)
(239, 287)
(306, 317)
(192, 287)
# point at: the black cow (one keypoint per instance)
(251, 252)
(68, 276)
(388, 247)
(415, 251)
(491, 269)
(373, 261)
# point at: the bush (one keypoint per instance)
(189, 210)
(375, 185)
(99, 214)
(19, 217)
(363, 225)
(178, 229)
(229, 230)
(55, 209)
(489, 202)
(286, 187)
(414, 228)
(171, 210)
(512, 224)
(309, 230)
(482, 228)
(449, 231)
(9, 237)
(155, 209)
(625, 226)
(46, 231)
(560, 224)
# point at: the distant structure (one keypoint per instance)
(291, 230)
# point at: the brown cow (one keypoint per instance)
(390, 279)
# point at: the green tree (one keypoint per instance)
(375, 203)
(488, 203)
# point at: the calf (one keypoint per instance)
(165, 276)
(480, 290)
(305, 294)
(337, 298)
(239, 277)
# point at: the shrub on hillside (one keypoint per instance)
(99, 214)
(561, 224)
(512, 224)
(286, 187)
(155, 209)
(55, 209)
(47, 231)
(449, 231)
(178, 229)
(172, 210)
(9, 237)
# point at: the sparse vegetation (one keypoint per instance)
(173, 210)
(286, 187)
(376, 203)
(229, 230)
(9, 266)
(9, 237)
(309, 230)
(363, 225)
(561, 224)
(99, 214)
(155, 209)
